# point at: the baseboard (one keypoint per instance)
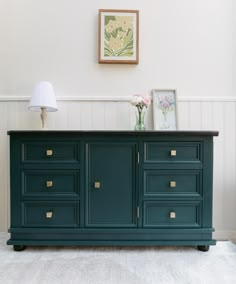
(225, 235)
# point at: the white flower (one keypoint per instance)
(136, 100)
(140, 100)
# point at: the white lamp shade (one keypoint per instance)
(43, 97)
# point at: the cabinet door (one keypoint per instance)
(111, 176)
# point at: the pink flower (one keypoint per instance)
(147, 100)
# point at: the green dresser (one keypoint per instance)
(111, 188)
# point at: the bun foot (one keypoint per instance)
(203, 248)
(18, 248)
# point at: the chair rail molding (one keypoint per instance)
(10, 98)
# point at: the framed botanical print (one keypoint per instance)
(118, 36)
(164, 109)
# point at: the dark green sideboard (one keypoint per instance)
(111, 188)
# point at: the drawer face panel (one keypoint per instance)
(50, 152)
(41, 182)
(171, 214)
(50, 214)
(161, 152)
(158, 182)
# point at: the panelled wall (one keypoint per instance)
(116, 113)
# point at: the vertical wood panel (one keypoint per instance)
(228, 175)
(195, 118)
(183, 115)
(85, 116)
(4, 174)
(218, 185)
(60, 118)
(110, 115)
(207, 116)
(149, 123)
(74, 117)
(98, 115)
(11, 117)
(132, 115)
(123, 116)
(23, 116)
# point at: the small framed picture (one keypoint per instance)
(164, 109)
(118, 36)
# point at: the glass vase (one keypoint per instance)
(139, 125)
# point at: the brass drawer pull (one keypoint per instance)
(49, 215)
(172, 184)
(173, 153)
(49, 183)
(172, 215)
(97, 184)
(49, 152)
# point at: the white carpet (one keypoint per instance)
(184, 265)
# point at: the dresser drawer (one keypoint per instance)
(50, 182)
(163, 152)
(50, 152)
(50, 214)
(171, 214)
(172, 183)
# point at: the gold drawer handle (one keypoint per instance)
(173, 153)
(97, 184)
(173, 184)
(49, 152)
(49, 215)
(172, 215)
(49, 183)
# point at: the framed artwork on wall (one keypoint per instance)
(164, 109)
(118, 36)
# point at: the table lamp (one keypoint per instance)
(44, 100)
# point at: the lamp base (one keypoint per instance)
(43, 116)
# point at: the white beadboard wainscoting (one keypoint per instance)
(116, 113)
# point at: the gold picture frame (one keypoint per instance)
(118, 36)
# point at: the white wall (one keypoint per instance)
(189, 45)
(184, 44)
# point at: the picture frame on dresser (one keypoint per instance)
(165, 109)
(118, 36)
